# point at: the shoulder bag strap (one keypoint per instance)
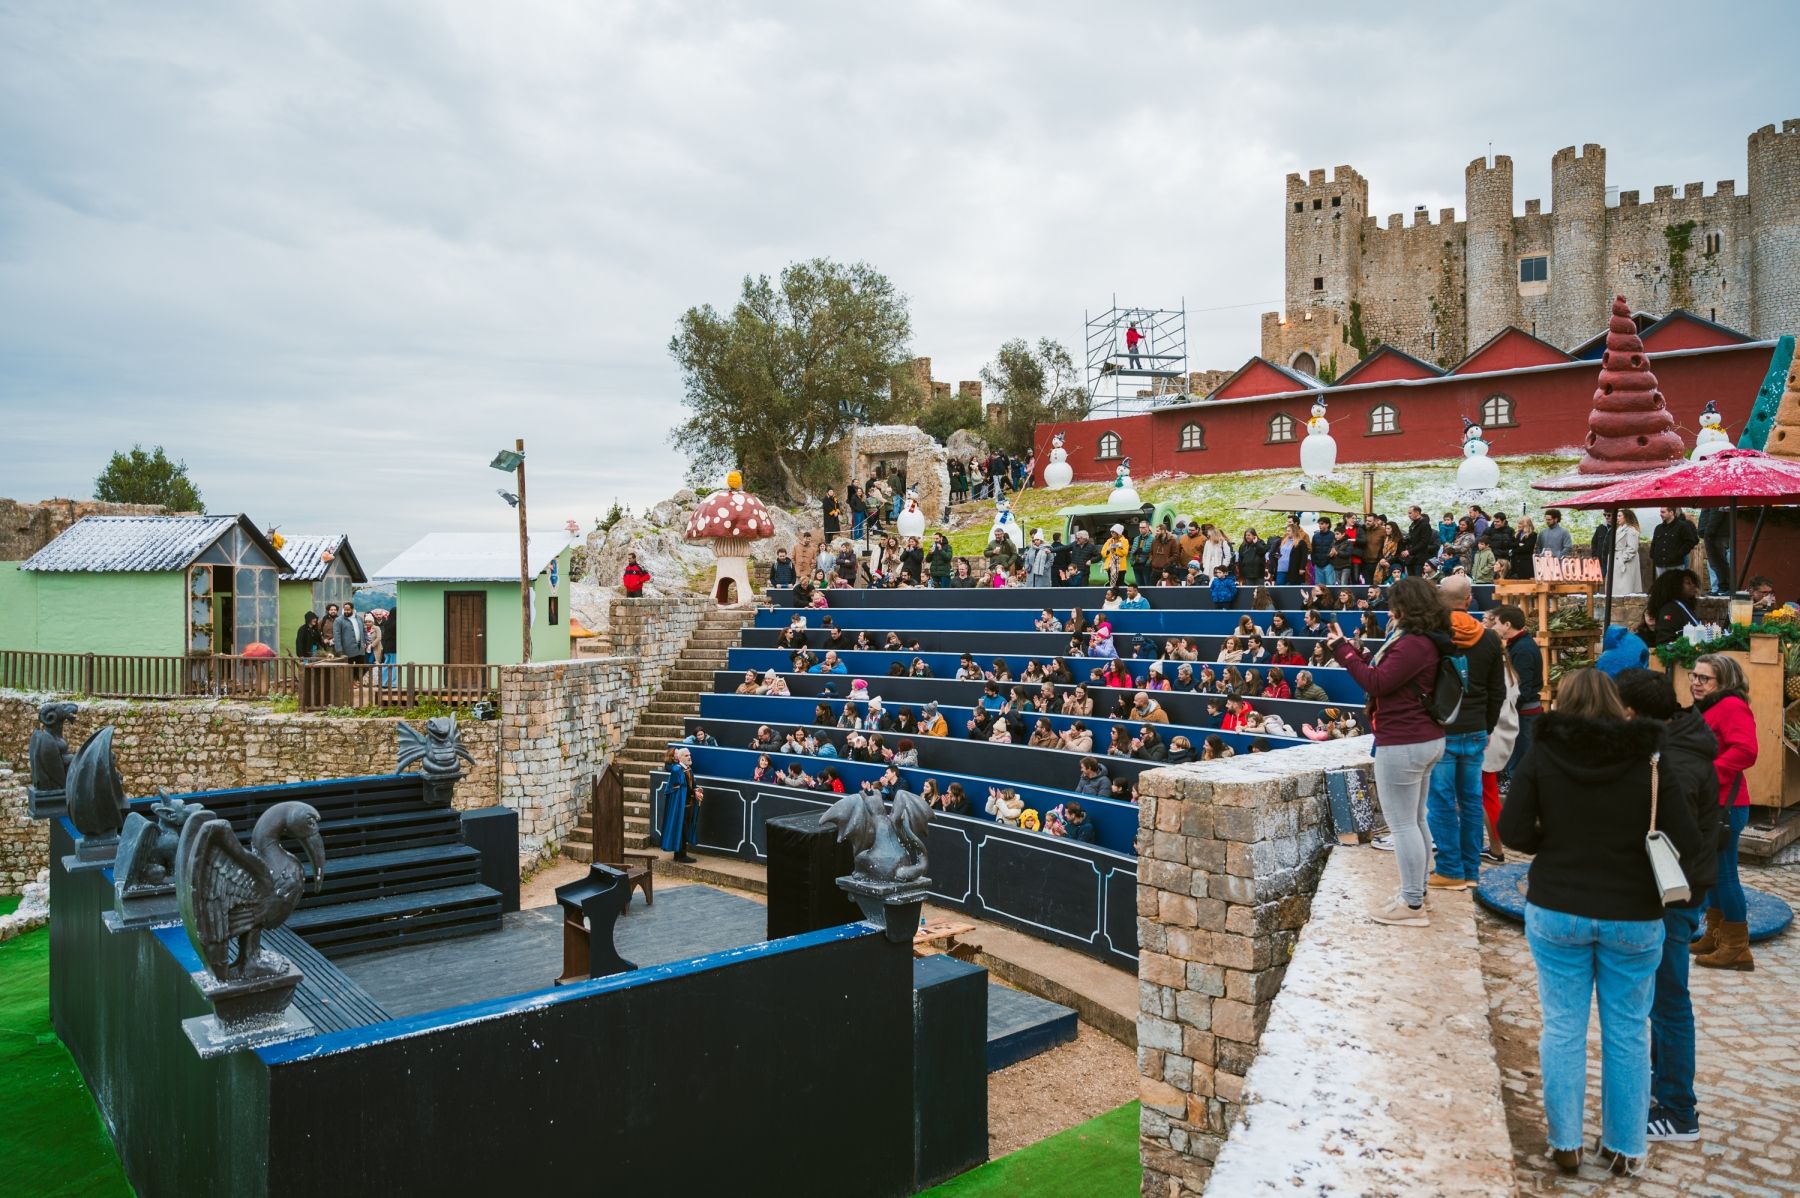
(1654, 758)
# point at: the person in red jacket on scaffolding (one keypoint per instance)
(635, 577)
(1133, 339)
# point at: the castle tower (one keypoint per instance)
(1774, 180)
(1493, 291)
(1578, 285)
(1324, 225)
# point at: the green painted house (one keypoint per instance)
(325, 571)
(456, 596)
(154, 585)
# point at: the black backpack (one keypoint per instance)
(1445, 701)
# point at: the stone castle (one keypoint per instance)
(1439, 290)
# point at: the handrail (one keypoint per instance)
(319, 684)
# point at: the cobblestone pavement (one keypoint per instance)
(1748, 1071)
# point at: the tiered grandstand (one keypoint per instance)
(1079, 894)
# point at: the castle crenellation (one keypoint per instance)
(1439, 288)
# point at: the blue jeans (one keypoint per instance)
(856, 525)
(1453, 810)
(1728, 892)
(1672, 1018)
(1325, 575)
(1578, 958)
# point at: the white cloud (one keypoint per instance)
(334, 254)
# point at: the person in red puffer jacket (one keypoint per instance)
(1722, 694)
(635, 577)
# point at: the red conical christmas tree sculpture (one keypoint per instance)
(1630, 428)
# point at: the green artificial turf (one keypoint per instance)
(1096, 1159)
(52, 1144)
(8, 903)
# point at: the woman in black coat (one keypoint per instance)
(1581, 802)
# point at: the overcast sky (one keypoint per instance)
(335, 254)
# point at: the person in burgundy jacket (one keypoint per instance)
(635, 576)
(1408, 742)
(1722, 694)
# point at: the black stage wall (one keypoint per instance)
(728, 1073)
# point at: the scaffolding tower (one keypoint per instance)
(1121, 382)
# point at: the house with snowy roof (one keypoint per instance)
(145, 585)
(325, 571)
(458, 598)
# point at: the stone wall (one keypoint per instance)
(1229, 854)
(561, 722)
(927, 463)
(26, 528)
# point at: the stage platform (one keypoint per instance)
(687, 921)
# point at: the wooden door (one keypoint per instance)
(465, 627)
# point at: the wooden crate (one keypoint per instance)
(1540, 601)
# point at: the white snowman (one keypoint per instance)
(1318, 452)
(1005, 525)
(911, 521)
(1124, 493)
(1711, 438)
(1058, 474)
(1478, 471)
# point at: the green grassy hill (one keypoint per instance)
(1217, 498)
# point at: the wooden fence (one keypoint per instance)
(318, 685)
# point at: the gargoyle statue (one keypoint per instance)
(889, 844)
(144, 868)
(49, 756)
(96, 793)
(232, 893)
(436, 750)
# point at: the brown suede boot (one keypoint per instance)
(1733, 951)
(1710, 941)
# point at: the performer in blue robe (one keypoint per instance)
(680, 807)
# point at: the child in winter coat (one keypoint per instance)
(1224, 587)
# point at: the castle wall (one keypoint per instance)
(1439, 288)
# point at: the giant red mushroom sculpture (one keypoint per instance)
(730, 520)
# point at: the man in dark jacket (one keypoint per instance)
(1453, 808)
(1253, 558)
(1060, 556)
(1715, 534)
(307, 641)
(912, 562)
(1421, 543)
(1672, 541)
(1322, 541)
(1686, 775)
(1082, 556)
(1508, 622)
(1140, 555)
(781, 574)
(1501, 537)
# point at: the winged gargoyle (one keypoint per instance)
(97, 797)
(231, 893)
(437, 751)
(889, 844)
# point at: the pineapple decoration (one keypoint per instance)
(1784, 437)
(1630, 427)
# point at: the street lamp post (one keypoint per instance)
(514, 460)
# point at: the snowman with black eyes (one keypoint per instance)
(1711, 437)
(1318, 451)
(1478, 471)
(1058, 474)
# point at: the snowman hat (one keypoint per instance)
(1711, 409)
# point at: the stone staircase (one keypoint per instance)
(687, 678)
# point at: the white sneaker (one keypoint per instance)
(1396, 912)
(1384, 842)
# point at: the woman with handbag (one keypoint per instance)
(1722, 694)
(1584, 800)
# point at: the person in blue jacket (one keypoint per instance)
(1622, 649)
(1224, 587)
(681, 805)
